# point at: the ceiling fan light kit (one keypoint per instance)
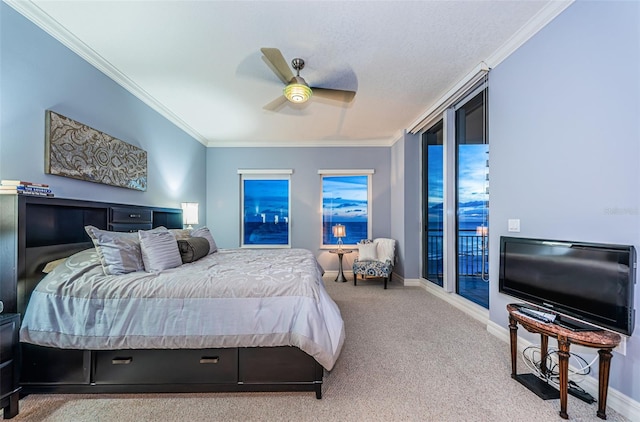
(297, 92)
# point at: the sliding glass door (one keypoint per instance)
(472, 201)
(433, 183)
(456, 200)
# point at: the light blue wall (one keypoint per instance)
(405, 204)
(223, 190)
(564, 130)
(38, 73)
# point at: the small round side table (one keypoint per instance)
(340, 253)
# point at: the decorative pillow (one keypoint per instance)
(193, 249)
(367, 252)
(159, 249)
(119, 253)
(204, 232)
(386, 248)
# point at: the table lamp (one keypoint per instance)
(339, 231)
(189, 214)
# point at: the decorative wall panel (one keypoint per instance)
(77, 151)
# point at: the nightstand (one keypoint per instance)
(340, 253)
(9, 364)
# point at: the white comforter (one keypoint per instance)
(232, 298)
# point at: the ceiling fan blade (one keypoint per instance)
(334, 94)
(278, 64)
(276, 104)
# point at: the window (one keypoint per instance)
(346, 200)
(266, 203)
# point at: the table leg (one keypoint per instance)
(513, 336)
(544, 348)
(603, 382)
(340, 273)
(563, 363)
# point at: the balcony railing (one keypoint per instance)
(473, 255)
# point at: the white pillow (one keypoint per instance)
(367, 252)
(206, 233)
(159, 249)
(386, 249)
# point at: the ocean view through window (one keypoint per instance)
(346, 201)
(265, 210)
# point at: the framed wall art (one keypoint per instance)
(75, 150)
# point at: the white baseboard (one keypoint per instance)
(476, 311)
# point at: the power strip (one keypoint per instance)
(582, 395)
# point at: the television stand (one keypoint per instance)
(603, 340)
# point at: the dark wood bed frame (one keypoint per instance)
(37, 230)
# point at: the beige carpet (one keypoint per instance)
(408, 356)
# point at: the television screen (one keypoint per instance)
(592, 282)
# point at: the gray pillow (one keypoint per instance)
(193, 248)
(159, 249)
(119, 253)
(204, 232)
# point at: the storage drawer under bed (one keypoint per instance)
(206, 366)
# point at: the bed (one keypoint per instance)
(233, 320)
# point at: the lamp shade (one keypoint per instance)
(339, 230)
(482, 231)
(189, 213)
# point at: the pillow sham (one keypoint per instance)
(119, 252)
(367, 252)
(159, 249)
(204, 232)
(193, 248)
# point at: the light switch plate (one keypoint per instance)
(514, 224)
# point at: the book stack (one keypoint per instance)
(19, 187)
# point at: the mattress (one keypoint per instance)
(231, 298)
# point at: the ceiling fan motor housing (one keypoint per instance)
(297, 64)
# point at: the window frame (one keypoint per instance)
(346, 173)
(262, 175)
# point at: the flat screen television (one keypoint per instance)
(591, 282)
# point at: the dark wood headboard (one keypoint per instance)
(37, 230)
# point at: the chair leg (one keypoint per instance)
(385, 282)
(355, 279)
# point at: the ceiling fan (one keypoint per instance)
(296, 89)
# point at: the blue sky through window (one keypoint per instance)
(345, 201)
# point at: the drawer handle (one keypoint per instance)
(121, 361)
(135, 215)
(209, 359)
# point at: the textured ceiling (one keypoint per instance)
(199, 62)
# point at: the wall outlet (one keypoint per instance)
(513, 225)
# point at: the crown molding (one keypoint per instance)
(532, 27)
(303, 144)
